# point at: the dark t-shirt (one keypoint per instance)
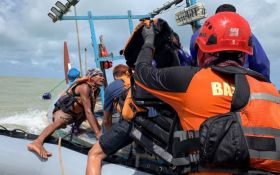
(113, 90)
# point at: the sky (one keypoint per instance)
(32, 45)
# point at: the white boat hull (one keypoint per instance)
(15, 159)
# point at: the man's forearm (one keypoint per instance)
(146, 54)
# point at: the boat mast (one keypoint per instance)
(78, 40)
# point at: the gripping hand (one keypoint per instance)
(148, 34)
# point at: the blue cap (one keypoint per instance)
(73, 74)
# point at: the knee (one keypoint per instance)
(59, 123)
(96, 152)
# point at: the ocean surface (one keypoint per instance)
(21, 103)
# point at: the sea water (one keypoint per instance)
(21, 103)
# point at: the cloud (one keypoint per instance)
(2, 25)
(13, 61)
(29, 38)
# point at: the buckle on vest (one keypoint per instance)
(190, 134)
(194, 161)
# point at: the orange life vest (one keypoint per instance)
(261, 118)
(103, 51)
(126, 106)
(165, 52)
(93, 93)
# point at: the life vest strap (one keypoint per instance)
(265, 96)
(261, 143)
(258, 145)
(150, 145)
(184, 135)
(152, 128)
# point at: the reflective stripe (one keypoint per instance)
(184, 135)
(137, 134)
(180, 161)
(261, 131)
(272, 155)
(162, 153)
(180, 134)
(264, 96)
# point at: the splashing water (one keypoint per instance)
(32, 121)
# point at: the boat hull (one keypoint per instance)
(15, 159)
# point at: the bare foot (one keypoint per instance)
(38, 148)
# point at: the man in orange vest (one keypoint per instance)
(115, 94)
(75, 106)
(116, 136)
(220, 86)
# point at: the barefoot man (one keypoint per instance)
(75, 106)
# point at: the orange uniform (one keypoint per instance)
(201, 93)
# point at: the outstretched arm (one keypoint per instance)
(85, 96)
(169, 83)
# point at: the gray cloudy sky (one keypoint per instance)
(31, 45)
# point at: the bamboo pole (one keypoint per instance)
(86, 66)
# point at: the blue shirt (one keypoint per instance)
(257, 62)
(185, 58)
(115, 90)
(112, 91)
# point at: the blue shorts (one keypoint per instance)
(116, 138)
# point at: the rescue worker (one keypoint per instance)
(75, 106)
(199, 94)
(115, 94)
(257, 62)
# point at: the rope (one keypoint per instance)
(3, 127)
(60, 157)
(57, 85)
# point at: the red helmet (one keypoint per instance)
(225, 31)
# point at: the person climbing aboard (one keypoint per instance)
(74, 106)
(240, 105)
(258, 62)
(115, 94)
